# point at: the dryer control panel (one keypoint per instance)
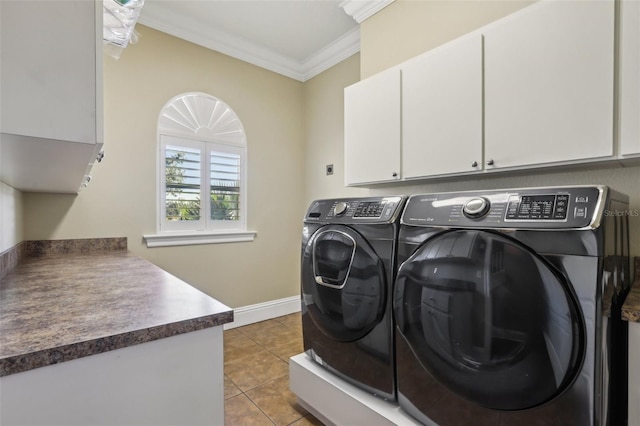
(356, 210)
(528, 208)
(541, 207)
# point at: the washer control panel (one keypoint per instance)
(356, 210)
(537, 208)
(373, 209)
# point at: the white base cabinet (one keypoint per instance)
(634, 374)
(372, 129)
(549, 84)
(51, 81)
(178, 380)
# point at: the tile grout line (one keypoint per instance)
(261, 410)
(287, 326)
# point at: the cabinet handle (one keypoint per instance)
(490, 162)
(474, 164)
(394, 174)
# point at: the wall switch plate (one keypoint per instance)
(329, 169)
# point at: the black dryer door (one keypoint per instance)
(489, 319)
(343, 283)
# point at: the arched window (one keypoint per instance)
(202, 195)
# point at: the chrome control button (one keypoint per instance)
(340, 208)
(476, 207)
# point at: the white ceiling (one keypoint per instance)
(296, 38)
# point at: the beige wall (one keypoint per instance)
(121, 199)
(407, 28)
(10, 217)
(623, 179)
(324, 131)
(293, 129)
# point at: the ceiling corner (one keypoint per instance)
(185, 26)
(361, 10)
(336, 52)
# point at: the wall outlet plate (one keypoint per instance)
(329, 169)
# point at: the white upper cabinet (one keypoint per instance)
(442, 110)
(549, 84)
(372, 129)
(629, 89)
(51, 80)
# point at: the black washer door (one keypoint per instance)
(489, 319)
(343, 283)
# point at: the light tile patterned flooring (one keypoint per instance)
(256, 374)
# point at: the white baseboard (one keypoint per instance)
(246, 315)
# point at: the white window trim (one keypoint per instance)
(201, 134)
(167, 239)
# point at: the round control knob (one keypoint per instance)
(340, 208)
(476, 207)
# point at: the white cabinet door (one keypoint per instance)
(49, 69)
(549, 84)
(372, 129)
(51, 103)
(629, 88)
(442, 110)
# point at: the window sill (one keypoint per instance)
(192, 238)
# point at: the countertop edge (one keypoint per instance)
(631, 306)
(126, 331)
(29, 361)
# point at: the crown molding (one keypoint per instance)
(332, 54)
(252, 53)
(224, 43)
(362, 9)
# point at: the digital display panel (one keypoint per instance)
(369, 209)
(538, 207)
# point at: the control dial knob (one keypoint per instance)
(476, 207)
(340, 208)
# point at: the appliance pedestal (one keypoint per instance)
(335, 402)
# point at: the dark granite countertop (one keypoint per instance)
(631, 307)
(60, 307)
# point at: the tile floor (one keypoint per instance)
(256, 374)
